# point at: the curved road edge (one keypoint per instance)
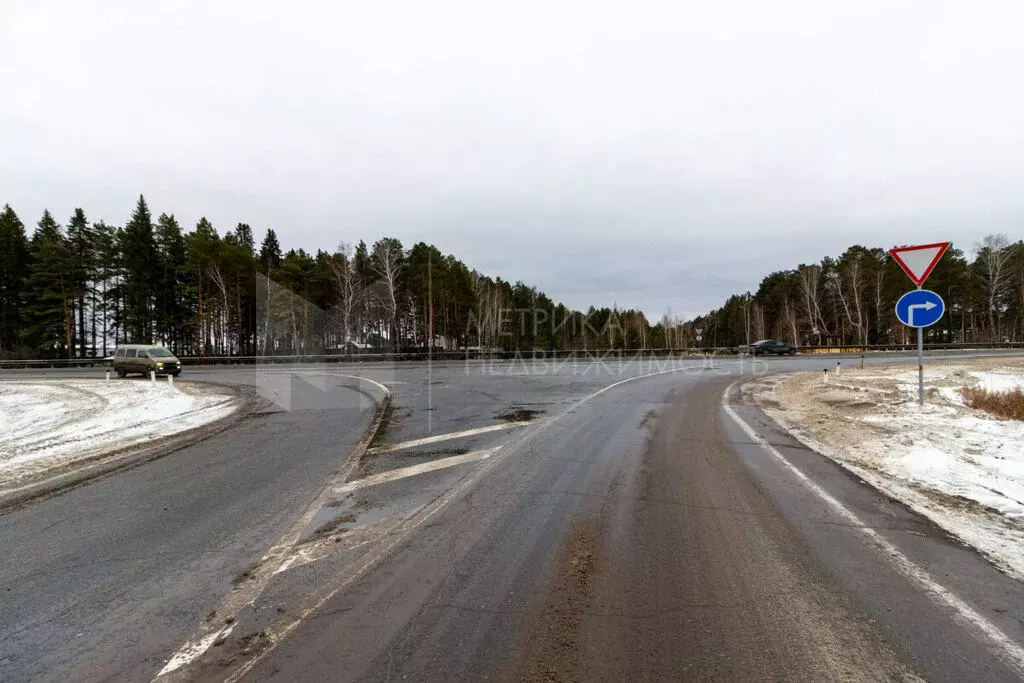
(277, 554)
(380, 415)
(120, 459)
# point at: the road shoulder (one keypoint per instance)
(906, 572)
(959, 467)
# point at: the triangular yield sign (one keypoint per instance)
(918, 262)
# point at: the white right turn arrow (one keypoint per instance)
(929, 305)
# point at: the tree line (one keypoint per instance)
(850, 300)
(79, 289)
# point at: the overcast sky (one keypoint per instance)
(652, 155)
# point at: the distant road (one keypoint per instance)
(513, 521)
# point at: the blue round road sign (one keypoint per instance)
(920, 308)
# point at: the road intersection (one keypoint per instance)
(509, 520)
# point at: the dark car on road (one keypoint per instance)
(766, 346)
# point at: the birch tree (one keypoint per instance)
(346, 281)
(809, 280)
(386, 261)
(850, 283)
(993, 268)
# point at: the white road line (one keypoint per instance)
(275, 556)
(1010, 652)
(447, 437)
(276, 635)
(192, 650)
(394, 475)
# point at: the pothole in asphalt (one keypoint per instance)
(331, 526)
(438, 453)
(519, 414)
(247, 574)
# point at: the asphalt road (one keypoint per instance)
(98, 583)
(625, 527)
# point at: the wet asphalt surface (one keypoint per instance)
(636, 535)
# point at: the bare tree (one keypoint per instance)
(757, 318)
(267, 313)
(218, 280)
(879, 288)
(851, 294)
(993, 258)
(343, 272)
(809, 279)
(789, 320)
(387, 262)
(490, 305)
(746, 317)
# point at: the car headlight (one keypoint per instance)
(159, 365)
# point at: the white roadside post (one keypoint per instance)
(152, 376)
(108, 376)
(170, 379)
(919, 308)
(839, 367)
(825, 376)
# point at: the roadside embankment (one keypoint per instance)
(48, 427)
(960, 466)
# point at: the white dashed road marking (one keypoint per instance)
(394, 475)
(449, 436)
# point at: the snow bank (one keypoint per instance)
(46, 425)
(962, 468)
(999, 382)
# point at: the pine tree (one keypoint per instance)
(270, 252)
(171, 307)
(49, 310)
(244, 238)
(138, 249)
(107, 283)
(203, 245)
(80, 271)
(13, 271)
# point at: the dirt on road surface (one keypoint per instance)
(688, 572)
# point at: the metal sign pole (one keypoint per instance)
(917, 262)
(920, 366)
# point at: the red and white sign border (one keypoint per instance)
(896, 251)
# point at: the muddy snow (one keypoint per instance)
(51, 425)
(962, 468)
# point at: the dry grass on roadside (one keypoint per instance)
(1008, 405)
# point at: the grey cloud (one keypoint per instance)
(658, 156)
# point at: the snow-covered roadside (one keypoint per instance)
(47, 425)
(962, 468)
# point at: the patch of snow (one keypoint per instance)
(951, 395)
(960, 467)
(52, 424)
(999, 382)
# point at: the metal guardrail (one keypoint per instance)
(580, 354)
